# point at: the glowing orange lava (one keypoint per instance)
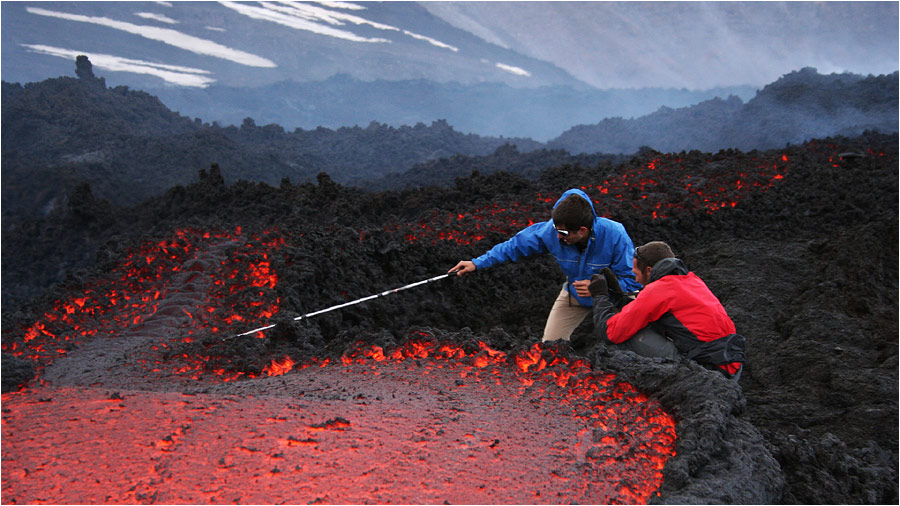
(194, 281)
(426, 423)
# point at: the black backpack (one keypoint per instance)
(722, 351)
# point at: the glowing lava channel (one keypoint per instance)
(193, 281)
(425, 424)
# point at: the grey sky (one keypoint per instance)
(688, 44)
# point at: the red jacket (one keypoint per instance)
(680, 306)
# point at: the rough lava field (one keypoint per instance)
(129, 384)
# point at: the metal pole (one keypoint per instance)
(339, 306)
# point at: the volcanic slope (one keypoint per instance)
(800, 245)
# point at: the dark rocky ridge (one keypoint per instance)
(128, 146)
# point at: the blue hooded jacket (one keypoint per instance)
(608, 246)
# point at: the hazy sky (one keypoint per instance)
(694, 45)
(688, 44)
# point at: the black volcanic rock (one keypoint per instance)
(16, 372)
(729, 462)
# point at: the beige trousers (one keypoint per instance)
(565, 316)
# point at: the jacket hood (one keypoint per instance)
(580, 193)
(667, 266)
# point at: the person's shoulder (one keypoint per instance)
(608, 226)
(609, 222)
(675, 284)
(660, 289)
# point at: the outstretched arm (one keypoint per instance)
(525, 243)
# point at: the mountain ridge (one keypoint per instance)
(128, 145)
(799, 106)
(487, 109)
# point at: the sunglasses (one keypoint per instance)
(564, 233)
(638, 256)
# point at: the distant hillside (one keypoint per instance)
(801, 105)
(128, 146)
(489, 109)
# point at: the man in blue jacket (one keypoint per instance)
(582, 243)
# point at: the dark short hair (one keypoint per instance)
(652, 252)
(573, 213)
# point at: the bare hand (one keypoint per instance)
(463, 267)
(581, 287)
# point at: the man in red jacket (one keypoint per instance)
(675, 314)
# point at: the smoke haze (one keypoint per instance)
(696, 45)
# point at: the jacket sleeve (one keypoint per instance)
(525, 243)
(603, 310)
(648, 307)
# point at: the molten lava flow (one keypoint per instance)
(424, 423)
(549, 429)
(279, 367)
(190, 282)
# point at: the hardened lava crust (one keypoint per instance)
(799, 244)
